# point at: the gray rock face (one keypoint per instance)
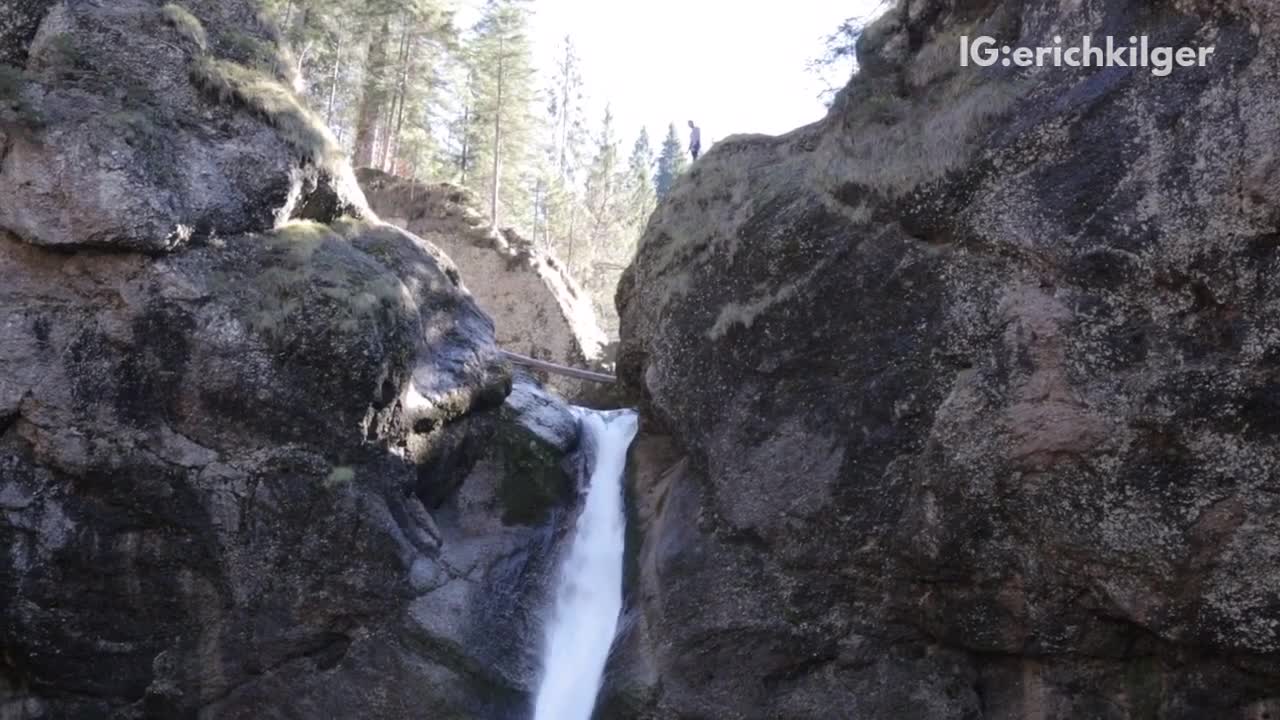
(973, 386)
(96, 115)
(17, 26)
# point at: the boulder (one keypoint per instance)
(221, 473)
(973, 385)
(131, 125)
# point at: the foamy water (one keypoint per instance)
(584, 617)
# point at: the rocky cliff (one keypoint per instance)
(258, 455)
(537, 308)
(965, 401)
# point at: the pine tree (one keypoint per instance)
(324, 36)
(566, 112)
(500, 60)
(641, 196)
(373, 93)
(560, 210)
(602, 197)
(561, 216)
(671, 162)
(428, 38)
(373, 69)
(461, 137)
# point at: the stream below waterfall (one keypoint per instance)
(588, 598)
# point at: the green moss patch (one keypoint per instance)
(533, 482)
(187, 25)
(309, 269)
(227, 82)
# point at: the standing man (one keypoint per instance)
(695, 140)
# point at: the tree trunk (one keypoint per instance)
(386, 156)
(573, 240)
(497, 140)
(406, 77)
(333, 89)
(537, 200)
(564, 115)
(296, 39)
(464, 156)
(383, 145)
(372, 97)
(288, 17)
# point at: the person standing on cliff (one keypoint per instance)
(695, 140)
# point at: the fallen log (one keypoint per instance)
(558, 369)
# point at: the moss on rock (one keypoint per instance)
(188, 26)
(533, 482)
(304, 269)
(230, 82)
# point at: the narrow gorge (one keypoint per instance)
(960, 403)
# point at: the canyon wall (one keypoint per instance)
(964, 402)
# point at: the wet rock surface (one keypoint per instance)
(973, 388)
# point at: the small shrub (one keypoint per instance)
(885, 109)
(187, 25)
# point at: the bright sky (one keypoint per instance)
(732, 66)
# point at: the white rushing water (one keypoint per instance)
(588, 596)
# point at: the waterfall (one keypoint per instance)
(588, 597)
